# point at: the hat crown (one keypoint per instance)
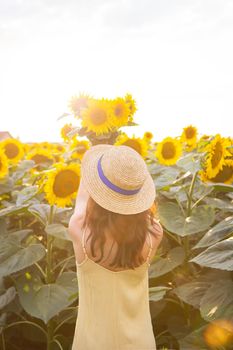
(124, 167)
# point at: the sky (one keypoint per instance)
(174, 57)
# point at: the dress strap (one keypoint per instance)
(150, 249)
(83, 244)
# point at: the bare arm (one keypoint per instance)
(81, 200)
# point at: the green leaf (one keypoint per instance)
(73, 132)
(129, 123)
(175, 192)
(194, 340)
(7, 297)
(26, 194)
(3, 226)
(13, 209)
(218, 256)
(219, 203)
(174, 258)
(192, 293)
(44, 301)
(189, 162)
(157, 293)
(220, 187)
(63, 116)
(40, 211)
(58, 231)
(21, 258)
(174, 220)
(6, 185)
(216, 233)
(166, 177)
(216, 300)
(155, 168)
(22, 169)
(18, 236)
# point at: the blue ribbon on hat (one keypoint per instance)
(111, 185)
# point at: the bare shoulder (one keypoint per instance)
(75, 226)
(158, 233)
(157, 227)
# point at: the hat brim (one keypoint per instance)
(108, 198)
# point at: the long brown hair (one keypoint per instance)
(128, 231)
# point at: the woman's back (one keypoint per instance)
(113, 308)
(110, 246)
(117, 196)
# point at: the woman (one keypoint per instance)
(115, 237)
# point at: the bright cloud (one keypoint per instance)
(175, 57)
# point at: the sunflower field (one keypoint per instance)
(190, 278)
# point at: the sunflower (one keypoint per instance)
(13, 149)
(132, 105)
(58, 147)
(148, 136)
(39, 156)
(121, 112)
(202, 143)
(190, 147)
(79, 147)
(137, 143)
(65, 130)
(218, 334)
(62, 184)
(97, 117)
(45, 145)
(3, 164)
(77, 103)
(26, 147)
(216, 154)
(225, 175)
(168, 151)
(189, 135)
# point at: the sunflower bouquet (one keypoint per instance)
(100, 119)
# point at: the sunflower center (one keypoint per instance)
(224, 175)
(168, 150)
(81, 149)
(217, 156)
(148, 135)
(11, 150)
(98, 116)
(133, 144)
(40, 158)
(190, 133)
(66, 182)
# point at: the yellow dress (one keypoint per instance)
(113, 311)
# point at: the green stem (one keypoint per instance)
(41, 270)
(161, 333)
(173, 236)
(190, 194)
(189, 211)
(27, 322)
(64, 260)
(172, 301)
(51, 214)
(49, 278)
(58, 343)
(3, 342)
(64, 321)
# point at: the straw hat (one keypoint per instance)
(117, 178)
